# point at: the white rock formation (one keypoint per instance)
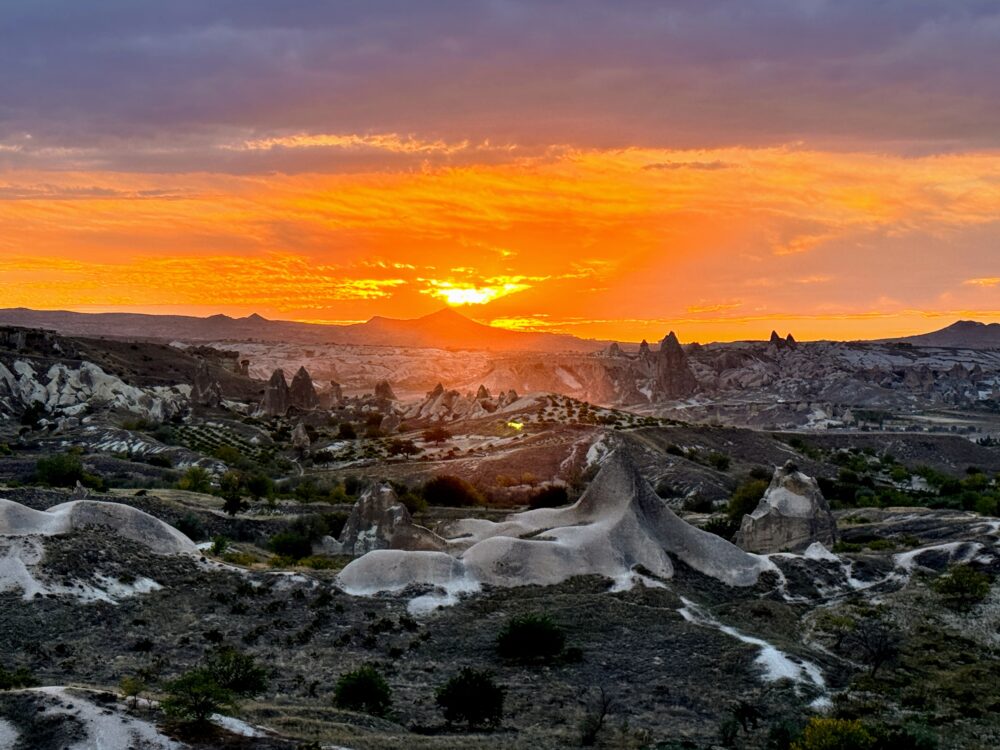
(68, 391)
(124, 520)
(791, 516)
(618, 529)
(379, 521)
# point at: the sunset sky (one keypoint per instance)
(607, 169)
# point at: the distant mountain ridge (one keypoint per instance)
(445, 329)
(963, 334)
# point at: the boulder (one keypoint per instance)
(302, 394)
(792, 515)
(275, 402)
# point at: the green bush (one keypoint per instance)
(195, 696)
(364, 689)
(237, 672)
(191, 526)
(259, 486)
(19, 678)
(962, 587)
(745, 498)
(291, 544)
(196, 479)
(531, 638)
(471, 696)
(834, 734)
(220, 544)
(64, 470)
(452, 492)
(718, 461)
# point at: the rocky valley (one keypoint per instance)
(214, 541)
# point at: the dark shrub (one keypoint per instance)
(19, 678)
(531, 638)
(549, 497)
(365, 690)
(452, 492)
(346, 431)
(195, 696)
(697, 504)
(745, 499)
(436, 435)
(192, 527)
(962, 587)
(722, 526)
(473, 697)
(60, 470)
(237, 672)
(290, 544)
(718, 461)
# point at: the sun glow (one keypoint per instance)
(458, 294)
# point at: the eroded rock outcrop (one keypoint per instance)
(206, 390)
(792, 515)
(384, 392)
(619, 529)
(65, 391)
(674, 378)
(302, 393)
(124, 520)
(379, 521)
(275, 402)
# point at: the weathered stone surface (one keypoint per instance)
(206, 390)
(384, 391)
(674, 378)
(275, 402)
(792, 515)
(302, 394)
(379, 521)
(300, 438)
(617, 528)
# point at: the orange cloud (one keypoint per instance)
(585, 240)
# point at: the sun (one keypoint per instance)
(457, 294)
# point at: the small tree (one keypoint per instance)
(237, 672)
(259, 486)
(876, 640)
(364, 689)
(400, 447)
(196, 479)
(531, 638)
(435, 435)
(132, 689)
(473, 697)
(193, 697)
(231, 491)
(963, 587)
